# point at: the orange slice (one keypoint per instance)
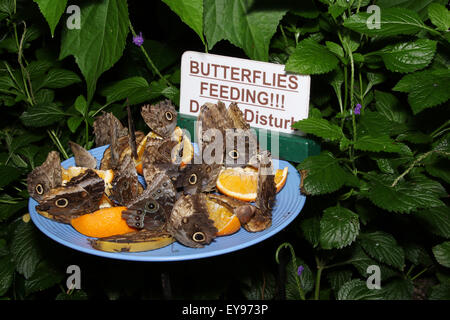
(242, 183)
(224, 220)
(105, 222)
(69, 173)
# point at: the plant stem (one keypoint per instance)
(436, 132)
(86, 131)
(297, 279)
(423, 156)
(155, 69)
(58, 144)
(420, 273)
(318, 276)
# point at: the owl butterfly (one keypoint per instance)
(125, 184)
(189, 221)
(103, 126)
(161, 117)
(81, 195)
(160, 155)
(265, 197)
(45, 177)
(196, 178)
(152, 208)
(114, 155)
(83, 158)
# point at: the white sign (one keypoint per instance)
(269, 97)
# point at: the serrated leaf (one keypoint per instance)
(42, 115)
(243, 23)
(383, 247)
(43, 278)
(408, 56)
(306, 279)
(319, 127)
(425, 89)
(25, 249)
(309, 57)
(417, 255)
(52, 11)
(339, 227)
(357, 290)
(361, 261)
(190, 12)
(377, 144)
(438, 167)
(442, 253)
(436, 220)
(440, 292)
(405, 196)
(311, 230)
(100, 41)
(388, 105)
(439, 16)
(324, 174)
(398, 289)
(6, 274)
(338, 278)
(8, 174)
(393, 21)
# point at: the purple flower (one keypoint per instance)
(300, 270)
(138, 40)
(358, 109)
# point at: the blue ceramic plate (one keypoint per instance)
(289, 203)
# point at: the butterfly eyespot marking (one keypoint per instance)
(61, 202)
(137, 218)
(198, 236)
(39, 189)
(137, 224)
(193, 179)
(165, 184)
(152, 207)
(169, 116)
(233, 154)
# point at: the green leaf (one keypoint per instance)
(242, 23)
(383, 247)
(190, 12)
(6, 274)
(58, 78)
(309, 57)
(438, 167)
(42, 115)
(388, 105)
(357, 290)
(52, 11)
(361, 261)
(73, 123)
(398, 289)
(306, 279)
(319, 127)
(339, 227)
(394, 21)
(8, 174)
(43, 278)
(311, 230)
(259, 288)
(75, 295)
(408, 56)
(7, 210)
(406, 196)
(25, 249)
(99, 42)
(439, 16)
(81, 105)
(338, 278)
(419, 6)
(425, 89)
(442, 253)
(325, 175)
(440, 292)
(377, 144)
(436, 220)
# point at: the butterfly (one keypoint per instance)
(160, 117)
(45, 177)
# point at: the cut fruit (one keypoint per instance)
(71, 172)
(242, 183)
(105, 222)
(224, 220)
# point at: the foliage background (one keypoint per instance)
(377, 191)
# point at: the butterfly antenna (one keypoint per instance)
(132, 133)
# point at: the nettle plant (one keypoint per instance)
(377, 195)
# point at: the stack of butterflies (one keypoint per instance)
(173, 204)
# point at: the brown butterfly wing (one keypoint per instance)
(189, 222)
(125, 185)
(152, 208)
(197, 178)
(81, 195)
(161, 117)
(103, 127)
(83, 158)
(45, 177)
(159, 157)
